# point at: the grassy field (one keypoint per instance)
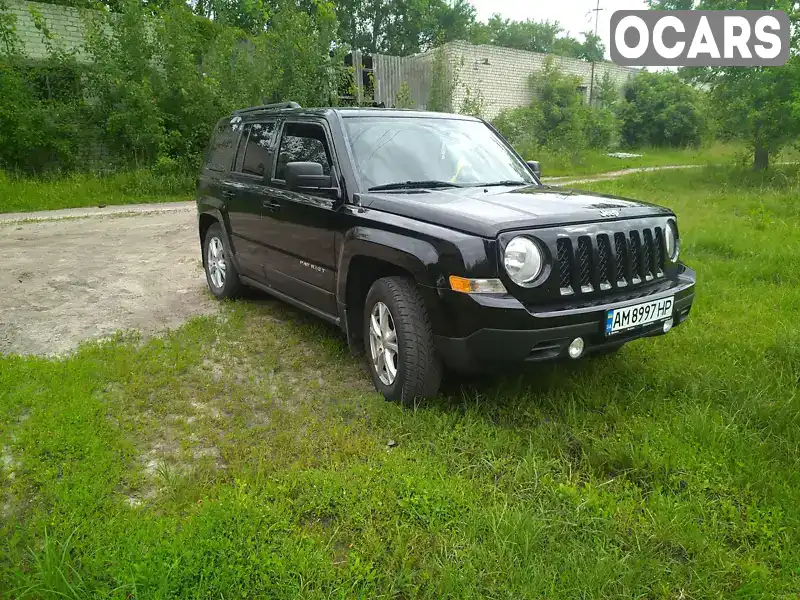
(22, 194)
(247, 457)
(19, 194)
(598, 161)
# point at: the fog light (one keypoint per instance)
(576, 348)
(667, 325)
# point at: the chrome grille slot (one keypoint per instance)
(604, 261)
(584, 259)
(621, 249)
(635, 254)
(647, 255)
(564, 247)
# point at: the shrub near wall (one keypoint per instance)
(559, 119)
(155, 85)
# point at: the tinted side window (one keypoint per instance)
(223, 145)
(258, 155)
(303, 142)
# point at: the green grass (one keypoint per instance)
(247, 457)
(592, 162)
(22, 194)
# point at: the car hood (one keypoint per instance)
(488, 211)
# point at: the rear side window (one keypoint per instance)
(303, 142)
(222, 147)
(256, 150)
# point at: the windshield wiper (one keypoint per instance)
(413, 185)
(508, 182)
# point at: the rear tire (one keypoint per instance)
(398, 339)
(221, 274)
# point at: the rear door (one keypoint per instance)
(303, 263)
(211, 184)
(246, 193)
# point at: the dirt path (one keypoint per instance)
(80, 274)
(73, 279)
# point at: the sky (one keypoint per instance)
(575, 16)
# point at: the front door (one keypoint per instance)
(303, 264)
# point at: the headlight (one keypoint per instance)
(671, 241)
(523, 261)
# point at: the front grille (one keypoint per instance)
(588, 264)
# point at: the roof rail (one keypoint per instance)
(277, 106)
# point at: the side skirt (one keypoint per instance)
(289, 300)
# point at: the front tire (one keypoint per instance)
(398, 339)
(221, 274)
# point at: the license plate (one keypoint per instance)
(630, 317)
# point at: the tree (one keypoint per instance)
(536, 36)
(660, 109)
(402, 27)
(759, 104)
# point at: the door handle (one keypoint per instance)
(270, 206)
(228, 193)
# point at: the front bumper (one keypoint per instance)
(513, 333)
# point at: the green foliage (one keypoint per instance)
(403, 97)
(536, 36)
(157, 84)
(473, 103)
(559, 119)
(661, 110)
(444, 78)
(44, 124)
(167, 181)
(758, 105)
(402, 27)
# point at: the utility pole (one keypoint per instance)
(596, 11)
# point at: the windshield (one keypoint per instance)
(390, 150)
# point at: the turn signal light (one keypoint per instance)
(476, 286)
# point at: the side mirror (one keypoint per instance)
(535, 167)
(306, 175)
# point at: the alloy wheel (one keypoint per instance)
(383, 343)
(215, 262)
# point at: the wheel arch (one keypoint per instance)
(365, 261)
(205, 219)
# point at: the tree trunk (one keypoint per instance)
(761, 161)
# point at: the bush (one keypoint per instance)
(559, 119)
(661, 110)
(158, 81)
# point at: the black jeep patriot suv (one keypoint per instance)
(429, 241)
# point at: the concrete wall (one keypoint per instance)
(499, 75)
(65, 23)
